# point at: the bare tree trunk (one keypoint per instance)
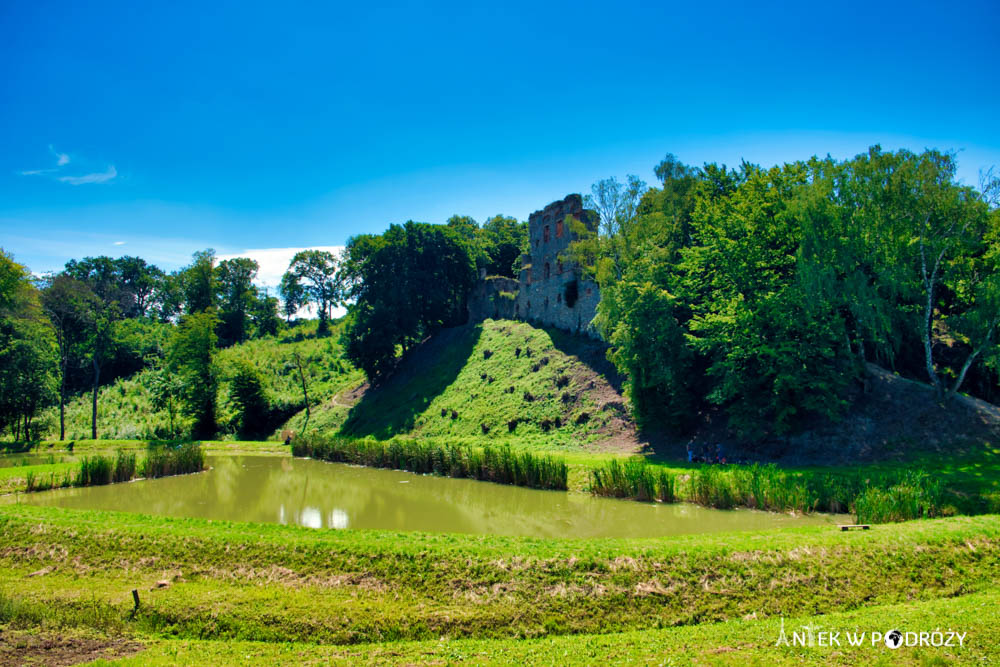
(305, 391)
(929, 282)
(969, 361)
(93, 416)
(62, 403)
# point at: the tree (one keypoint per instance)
(234, 279)
(198, 282)
(293, 295)
(27, 351)
(70, 306)
(128, 281)
(407, 284)
(167, 390)
(617, 205)
(264, 314)
(246, 391)
(319, 282)
(192, 358)
(504, 239)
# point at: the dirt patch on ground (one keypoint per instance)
(22, 648)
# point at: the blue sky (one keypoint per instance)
(159, 129)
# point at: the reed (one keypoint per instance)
(502, 465)
(874, 498)
(914, 495)
(94, 470)
(163, 460)
(125, 467)
(634, 479)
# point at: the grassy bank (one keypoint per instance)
(217, 580)
(729, 643)
(502, 465)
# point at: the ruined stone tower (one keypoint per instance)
(550, 290)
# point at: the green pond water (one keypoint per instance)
(329, 496)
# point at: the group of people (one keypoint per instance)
(705, 453)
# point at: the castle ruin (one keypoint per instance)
(550, 290)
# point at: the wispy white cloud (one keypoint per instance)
(62, 161)
(119, 243)
(97, 177)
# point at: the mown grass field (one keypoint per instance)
(65, 571)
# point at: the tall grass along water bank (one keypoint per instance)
(874, 498)
(98, 470)
(502, 465)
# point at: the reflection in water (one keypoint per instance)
(335, 496)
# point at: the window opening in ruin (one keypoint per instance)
(559, 229)
(545, 234)
(546, 270)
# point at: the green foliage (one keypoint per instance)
(502, 465)
(482, 373)
(28, 353)
(246, 391)
(165, 460)
(192, 359)
(876, 497)
(198, 283)
(408, 283)
(917, 495)
(314, 277)
(764, 291)
(234, 278)
(150, 404)
(634, 479)
(94, 471)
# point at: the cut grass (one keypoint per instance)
(737, 642)
(280, 583)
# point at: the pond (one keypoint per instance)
(16, 460)
(337, 496)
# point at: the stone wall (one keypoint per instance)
(549, 291)
(494, 297)
(547, 282)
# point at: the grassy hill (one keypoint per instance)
(496, 380)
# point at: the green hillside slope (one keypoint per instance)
(495, 380)
(126, 409)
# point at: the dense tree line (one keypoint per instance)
(404, 285)
(764, 291)
(104, 318)
(759, 292)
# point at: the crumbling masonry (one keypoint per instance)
(550, 290)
